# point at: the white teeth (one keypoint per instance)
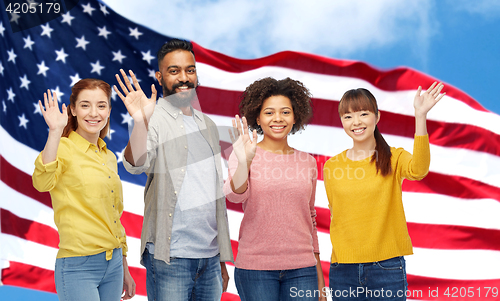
(278, 127)
(358, 130)
(93, 122)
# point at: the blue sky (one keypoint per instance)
(447, 39)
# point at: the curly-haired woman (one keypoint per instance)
(278, 252)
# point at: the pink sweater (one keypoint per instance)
(278, 230)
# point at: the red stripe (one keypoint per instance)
(449, 237)
(21, 182)
(28, 276)
(454, 186)
(132, 224)
(392, 80)
(225, 103)
(424, 288)
(23, 228)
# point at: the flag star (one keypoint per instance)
(12, 56)
(2, 29)
(67, 18)
(4, 106)
(74, 79)
(58, 92)
(146, 56)
(127, 119)
(81, 42)
(96, 67)
(23, 121)
(25, 82)
(135, 32)
(118, 56)
(15, 18)
(103, 32)
(28, 43)
(37, 109)
(42, 69)
(61, 55)
(111, 131)
(152, 73)
(119, 156)
(46, 30)
(113, 94)
(88, 9)
(1, 68)
(104, 9)
(11, 95)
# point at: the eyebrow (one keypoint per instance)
(269, 108)
(177, 67)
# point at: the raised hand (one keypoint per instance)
(138, 105)
(423, 103)
(244, 148)
(55, 119)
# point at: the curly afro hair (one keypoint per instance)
(260, 90)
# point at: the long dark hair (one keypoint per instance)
(86, 84)
(359, 100)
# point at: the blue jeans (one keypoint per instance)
(90, 278)
(297, 284)
(183, 278)
(381, 280)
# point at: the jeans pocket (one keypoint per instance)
(395, 263)
(334, 265)
(74, 262)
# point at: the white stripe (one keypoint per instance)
(25, 207)
(426, 208)
(454, 264)
(331, 87)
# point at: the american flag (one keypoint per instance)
(453, 214)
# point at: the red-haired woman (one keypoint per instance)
(363, 184)
(80, 173)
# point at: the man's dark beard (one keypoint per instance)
(179, 99)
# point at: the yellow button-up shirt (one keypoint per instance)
(86, 194)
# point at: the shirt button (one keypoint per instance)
(170, 214)
(112, 191)
(180, 113)
(96, 151)
(182, 126)
(169, 238)
(182, 169)
(103, 164)
(113, 206)
(175, 192)
(185, 146)
(115, 222)
(109, 177)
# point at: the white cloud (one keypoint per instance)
(486, 8)
(254, 28)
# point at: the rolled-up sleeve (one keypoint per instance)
(45, 176)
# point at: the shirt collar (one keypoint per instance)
(83, 144)
(175, 111)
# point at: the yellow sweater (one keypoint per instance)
(368, 220)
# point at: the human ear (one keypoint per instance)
(158, 77)
(378, 117)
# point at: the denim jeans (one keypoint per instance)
(90, 278)
(381, 280)
(183, 278)
(284, 285)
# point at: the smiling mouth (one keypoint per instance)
(358, 131)
(93, 122)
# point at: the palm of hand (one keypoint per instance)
(54, 118)
(424, 103)
(244, 149)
